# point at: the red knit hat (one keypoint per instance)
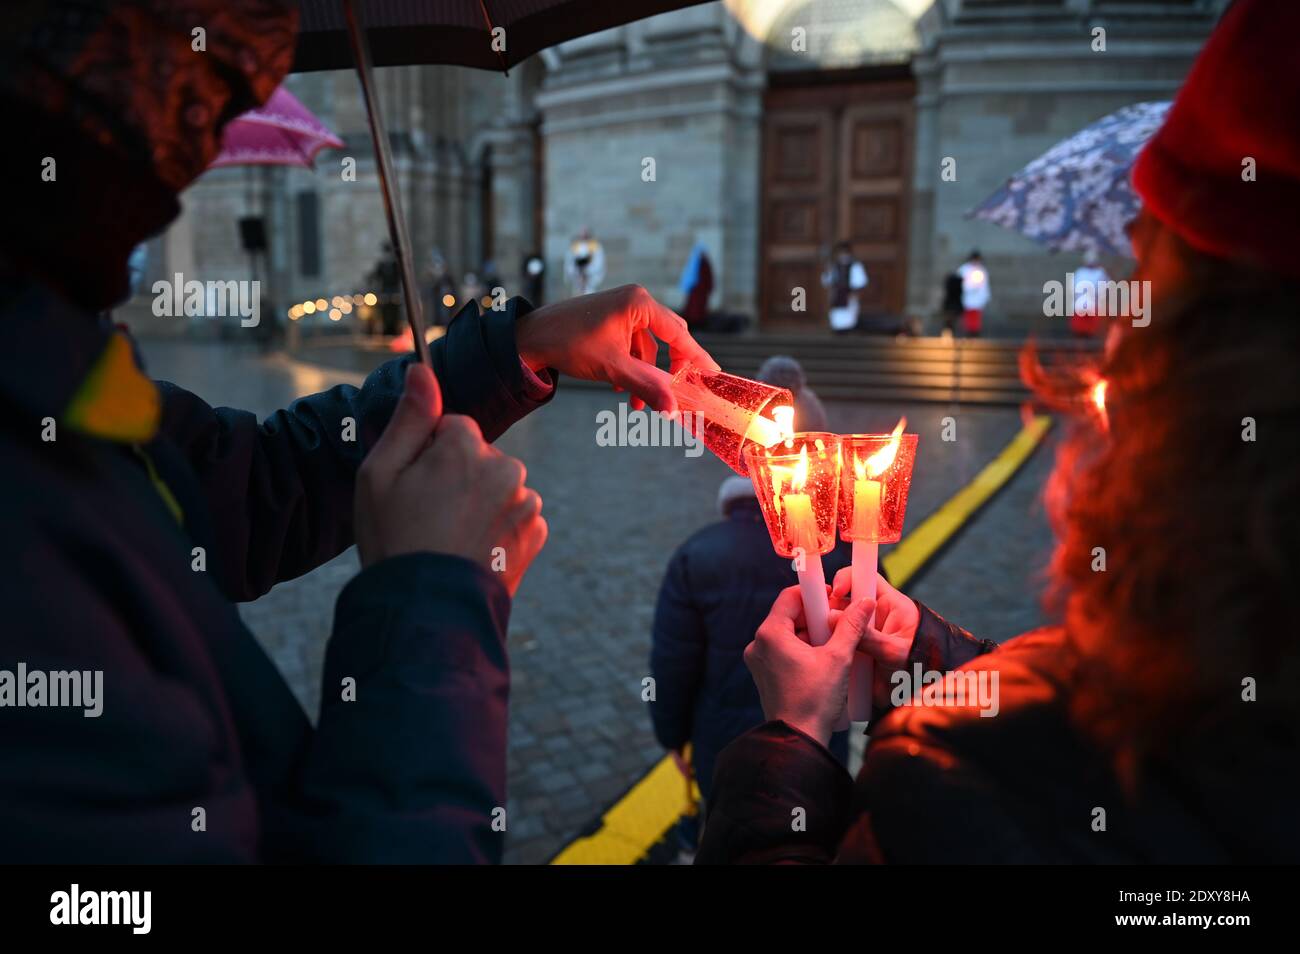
(1241, 101)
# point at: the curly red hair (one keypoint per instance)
(1188, 482)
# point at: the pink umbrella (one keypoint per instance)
(281, 133)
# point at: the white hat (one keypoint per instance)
(733, 488)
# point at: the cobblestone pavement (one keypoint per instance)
(987, 579)
(579, 632)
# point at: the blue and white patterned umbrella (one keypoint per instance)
(1078, 195)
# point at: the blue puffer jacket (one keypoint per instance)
(719, 587)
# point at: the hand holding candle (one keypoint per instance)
(803, 686)
(873, 500)
(797, 484)
(611, 335)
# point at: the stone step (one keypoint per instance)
(979, 371)
(850, 369)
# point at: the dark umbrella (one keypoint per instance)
(458, 32)
(488, 34)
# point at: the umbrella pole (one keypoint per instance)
(387, 181)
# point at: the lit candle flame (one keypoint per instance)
(784, 417)
(800, 475)
(879, 462)
(1099, 395)
(796, 475)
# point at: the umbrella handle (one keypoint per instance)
(387, 181)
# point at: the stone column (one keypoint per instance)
(922, 270)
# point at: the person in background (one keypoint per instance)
(844, 279)
(1087, 286)
(533, 272)
(442, 291)
(974, 293)
(783, 371)
(697, 285)
(491, 282)
(952, 306)
(386, 277)
(472, 288)
(715, 593)
(584, 264)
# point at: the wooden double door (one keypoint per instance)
(837, 165)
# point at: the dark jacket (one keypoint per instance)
(99, 574)
(718, 589)
(943, 784)
(952, 288)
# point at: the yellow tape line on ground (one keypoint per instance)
(912, 552)
(641, 818)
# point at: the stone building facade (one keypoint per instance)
(766, 129)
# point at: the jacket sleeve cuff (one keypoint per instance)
(778, 796)
(940, 646)
(479, 371)
(537, 386)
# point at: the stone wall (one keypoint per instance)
(671, 90)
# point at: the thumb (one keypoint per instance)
(852, 626)
(413, 421)
(645, 381)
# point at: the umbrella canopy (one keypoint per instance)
(458, 32)
(281, 133)
(1078, 195)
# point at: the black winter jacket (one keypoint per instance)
(98, 573)
(943, 784)
(719, 586)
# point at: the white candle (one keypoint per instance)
(784, 417)
(802, 525)
(762, 431)
(866, 508)
(866, 547)
(866, 522)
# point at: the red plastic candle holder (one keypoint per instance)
(736, 413)
(807, 467)
(866, 458)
